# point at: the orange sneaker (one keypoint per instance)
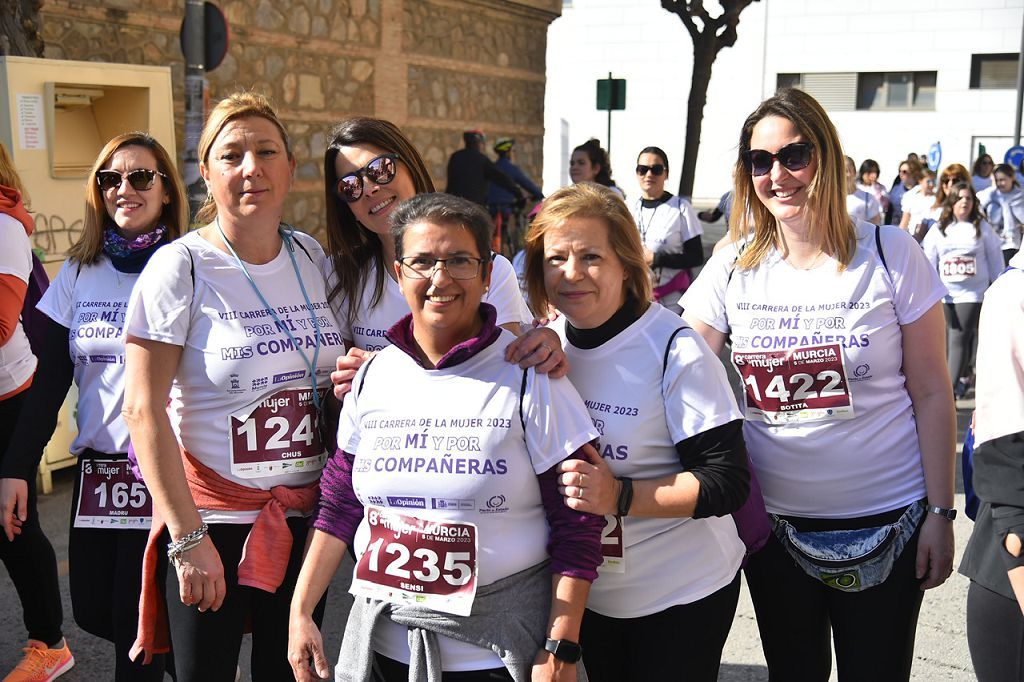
(42, 664)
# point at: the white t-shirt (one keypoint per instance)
(830, 426)
(981, 183)
(664, 229)
(235, 357)
(966, 264)
(1000, 363)
(666, 561)
(90, 300)
(863, 205)
(920, 206)
(366, 329)
(17, 363)
(448, 445)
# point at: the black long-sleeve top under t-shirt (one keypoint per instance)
(38, 416)
(717, 458)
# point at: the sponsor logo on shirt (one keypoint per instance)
(861, 372)
(495, 505)
(452, 504)
(289, 376)
(236, 384)
(407, 502)
(259, 383)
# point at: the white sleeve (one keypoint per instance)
(993, 247)
(916, 283)
(695, 388)
(504, 294)
(339, 303)
(705, 299)
(159, 308)
(59, 296)
(690, 226)
(348, 421)
(16, 256)
(556, 422)
(930, 245)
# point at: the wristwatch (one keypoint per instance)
(564, 649)
(941, 511)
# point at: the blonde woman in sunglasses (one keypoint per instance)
(135, 204)
(837, 334)
(370, 168)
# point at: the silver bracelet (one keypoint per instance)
(185, 543)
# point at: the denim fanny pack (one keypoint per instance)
(849, 560)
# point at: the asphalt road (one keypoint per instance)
(941, 652)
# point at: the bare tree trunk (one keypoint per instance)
(19, 28)
(704, 52)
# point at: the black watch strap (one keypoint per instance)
(564, 649)
(941, 511)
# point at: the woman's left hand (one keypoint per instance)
(548, 668)
(541, 349)
(934, 551)
(589, 485)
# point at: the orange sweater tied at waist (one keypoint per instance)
(264, 557)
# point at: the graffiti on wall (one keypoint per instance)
(54, 235)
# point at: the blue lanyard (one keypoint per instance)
(286, 236)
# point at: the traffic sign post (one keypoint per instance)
(611, 96)
(935, 156)
(1013, 156)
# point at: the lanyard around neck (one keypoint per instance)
(286, 237)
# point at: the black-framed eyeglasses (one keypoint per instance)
(794, 156)
(140, 179)
(457, 267)
(380, 171)
(657, 169)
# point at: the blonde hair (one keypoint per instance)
(235, 106)
(174, 215)
(825, 209)
(9, 175)
(588, 200)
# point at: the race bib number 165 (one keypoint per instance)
(797, 385)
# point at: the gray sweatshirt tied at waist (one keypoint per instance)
(509, 617)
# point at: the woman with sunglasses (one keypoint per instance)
(468, 565)
(967, 255)
(25, 550)
(669, 229)
(837, 334)
(673, 464)
(589, 163)
(135, 204)
(229, 346)
(370, 167)
(926, 208)
(1003, 204)
(981, 173)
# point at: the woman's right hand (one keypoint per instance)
(305, 642)
(201, 577)
(13, 496)
(347, 366)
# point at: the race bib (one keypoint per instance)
(958, 268)
(278, 435)
(111, 497)
(613, 549)
(418, 561)
(797, 385)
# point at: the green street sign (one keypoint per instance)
(611, 94)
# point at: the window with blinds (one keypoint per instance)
(994, 71)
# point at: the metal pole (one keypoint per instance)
(611, 101)
(195, 99)
(1020, 89)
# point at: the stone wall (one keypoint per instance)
(435, 67)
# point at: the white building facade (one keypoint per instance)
(894, 77)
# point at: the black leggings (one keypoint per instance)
(873, 630)
(30, 559)
(206, 645)
(961, 328)
(105, 574)
(995, 635)
(389, 670)
(682, 642)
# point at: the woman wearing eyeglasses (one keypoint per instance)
(468, 564)
(135, 204)
(370, 167)
(669, 229)
(837, 334)
(229, 347)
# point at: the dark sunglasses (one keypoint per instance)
(380, 171)
(657, 169)
(140, 179)
(794, 156)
